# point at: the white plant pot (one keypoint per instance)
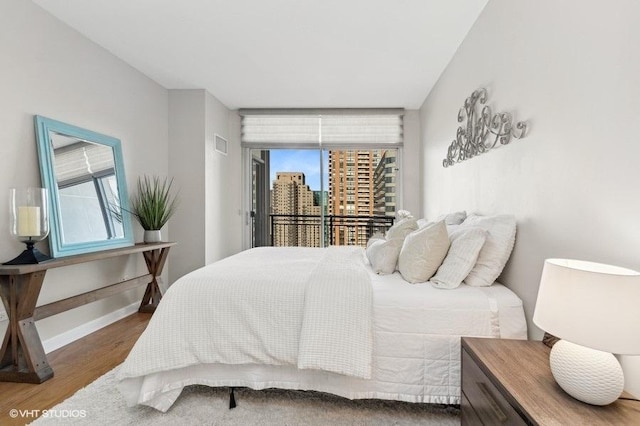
(152, 236)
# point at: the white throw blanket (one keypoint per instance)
(259, 307)
(336, 331)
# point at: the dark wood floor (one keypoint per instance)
(75, 366)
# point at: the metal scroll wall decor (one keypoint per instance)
(481, 132)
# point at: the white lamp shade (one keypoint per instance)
(590, 304)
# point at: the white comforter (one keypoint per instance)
(264, 307)
(416, 334)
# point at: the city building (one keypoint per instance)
(361, 184)
(384, 184)
(295, 215)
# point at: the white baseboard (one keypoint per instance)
(56, 342)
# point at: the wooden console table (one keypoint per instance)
(22, 357)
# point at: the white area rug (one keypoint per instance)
(100, 403)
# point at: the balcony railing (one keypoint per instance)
(305, 230)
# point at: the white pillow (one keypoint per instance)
(453, 218)
(422, 252)
(375, 237)
(402, 214)
(449, 219)
(461, 258)
(383, 255)
(501, 236)
(402, 228)
(423, 222)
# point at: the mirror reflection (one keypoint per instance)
(84, 173)
(87, 190)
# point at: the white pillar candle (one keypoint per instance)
(28, 221)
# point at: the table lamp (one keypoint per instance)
(29, 222)
(595, 310)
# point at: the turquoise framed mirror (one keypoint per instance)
(84, 174)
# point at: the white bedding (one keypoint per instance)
(416, 342)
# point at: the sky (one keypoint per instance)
(306, 161)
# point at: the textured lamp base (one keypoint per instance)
(588, 375)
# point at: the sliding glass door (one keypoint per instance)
(320, 197)
(260, 198)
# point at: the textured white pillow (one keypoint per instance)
(402, 228)
(423, 222)
(383, 255)
(375, 237)
(461, 258)
(453, 218)
(501, 236)
(422, 252)
(402, 214)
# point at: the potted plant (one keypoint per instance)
(153, 205)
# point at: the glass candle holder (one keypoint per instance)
(29, 210)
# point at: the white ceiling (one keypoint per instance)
(282, 53)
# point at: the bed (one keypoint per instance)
(313, 319)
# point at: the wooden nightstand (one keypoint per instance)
(509, 382)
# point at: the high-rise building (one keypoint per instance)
(384, 183)
(296, 220)
(321, 198)
(360, 185)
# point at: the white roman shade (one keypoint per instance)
(264, 130)
(322, 128)
(82, 159)
(350, 130)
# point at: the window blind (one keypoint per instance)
(265, 130)
(350, 130)
(82, 160)
(330, 128)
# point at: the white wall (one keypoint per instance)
(411, 166)
(224, 180)
(187, 154)
(49, 69)
(572, 70)
(207, 225)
